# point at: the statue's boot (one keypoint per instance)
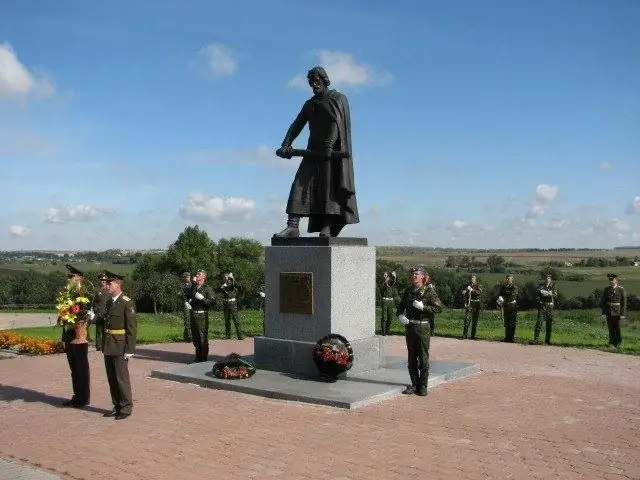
(326, 231)
(291, 230)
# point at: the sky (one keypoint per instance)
(487, 124)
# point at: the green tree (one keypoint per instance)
(192, 250)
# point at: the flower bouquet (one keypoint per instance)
(332, 355)
(233, 367)
(73, 308)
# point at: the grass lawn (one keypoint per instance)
(574, 328)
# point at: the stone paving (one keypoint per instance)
(23, 320)
(532, 412)
(12, 470)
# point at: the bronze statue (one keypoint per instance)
(323, 188)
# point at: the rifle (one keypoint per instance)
(293, 152)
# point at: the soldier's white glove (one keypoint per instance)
(604, 317)
(127, 356)
(546, 293)
(224, 285)
(500, 301)
(187, 305)
(262, 294)
(199, 296)
(418, 304)
(623, 317)
(91, 315)
(403, 319)
(469, 287)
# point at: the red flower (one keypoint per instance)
(75, 308)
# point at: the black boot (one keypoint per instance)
(422, 384)
(291, 230)
(411, 389)
(198, 354)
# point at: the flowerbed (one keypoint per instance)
(28, 345)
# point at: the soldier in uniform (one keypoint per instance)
(99, 307)
(547, 296)
(388, 296)
(418, 304)
(200, 300)
(472, 295)
(508, 302)
(613, 305)
(77, 355)
(229, 290)
(118, 345)
(186, 315)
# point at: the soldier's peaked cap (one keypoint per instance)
(611, 276)
(73, 271)
(103, 275)
(113, 276)
(418, 268)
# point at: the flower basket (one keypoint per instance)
(81, 330)
(332, 355)
(72, 304)
(233, 367)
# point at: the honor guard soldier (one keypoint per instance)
(547, 298)
(200, 300)
(388, 297)
(472, 296)
(229, 291)
(186, 314)
(77, 354)
(508, 303)
(418, 304)
(99, 307)
(613, 305)
(118, 346)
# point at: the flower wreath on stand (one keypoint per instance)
(333, 355)
(233, 367)
(72, 304)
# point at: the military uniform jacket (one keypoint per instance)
(428, 297)
(614, 301)
(510, 295)
(204, 304)
(121, 315)
(547, 301)
(472, 297)
(99, 303)
(186, 291)
(229, 291)
(388, 291)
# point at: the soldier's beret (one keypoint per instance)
(73, 271)
(113, 276)
(418, 268)
(611, 276)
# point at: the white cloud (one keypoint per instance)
(459, 224)
(606, 166)
(634, 206)
(16, 81)
(344, 70)
(18, 231)
(231, 209)
(261, 155)
(620, 226)
(74, 213)
(221, 60)
(545, 195)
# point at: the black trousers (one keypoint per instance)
(78, 358)
(418, 338)
(200, 335)
(117, 369)
(615, 335)
(510, 320)
(230, 312)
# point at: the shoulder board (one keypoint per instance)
(125, 298)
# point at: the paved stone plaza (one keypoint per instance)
(531, 412)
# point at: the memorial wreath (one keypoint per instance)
(333, 355)
(233, 367)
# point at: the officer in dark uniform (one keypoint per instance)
(547, 296)
(613, 305)
(99, 307)
(388, 298)
(186, 314)
(118, 345)
(508, 302)
(77, 355)
(229, 291)
(418, 304)
(199, 302)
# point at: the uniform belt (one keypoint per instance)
(199, 311)
(472, 300)
(229, 299)
(614, 303)
(418, 321)
(121, 331)
(387, 298)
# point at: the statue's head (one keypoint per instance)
(318, 80)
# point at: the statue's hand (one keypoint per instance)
(284, 152)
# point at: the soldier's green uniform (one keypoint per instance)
(509, 293)
(118, 342)
(229, 290)
(613, 305)
(418, 331)
(547, 297)
(388, 300)
(472, 306)
(186, 314)
(200, 319)
(99, 307)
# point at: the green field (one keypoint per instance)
(574, 328)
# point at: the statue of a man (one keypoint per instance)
(323, 188)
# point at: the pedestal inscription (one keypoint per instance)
(296, 292)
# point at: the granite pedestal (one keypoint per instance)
(317, 286)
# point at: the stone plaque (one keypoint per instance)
(296, 292)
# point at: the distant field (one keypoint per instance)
(8, 269)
